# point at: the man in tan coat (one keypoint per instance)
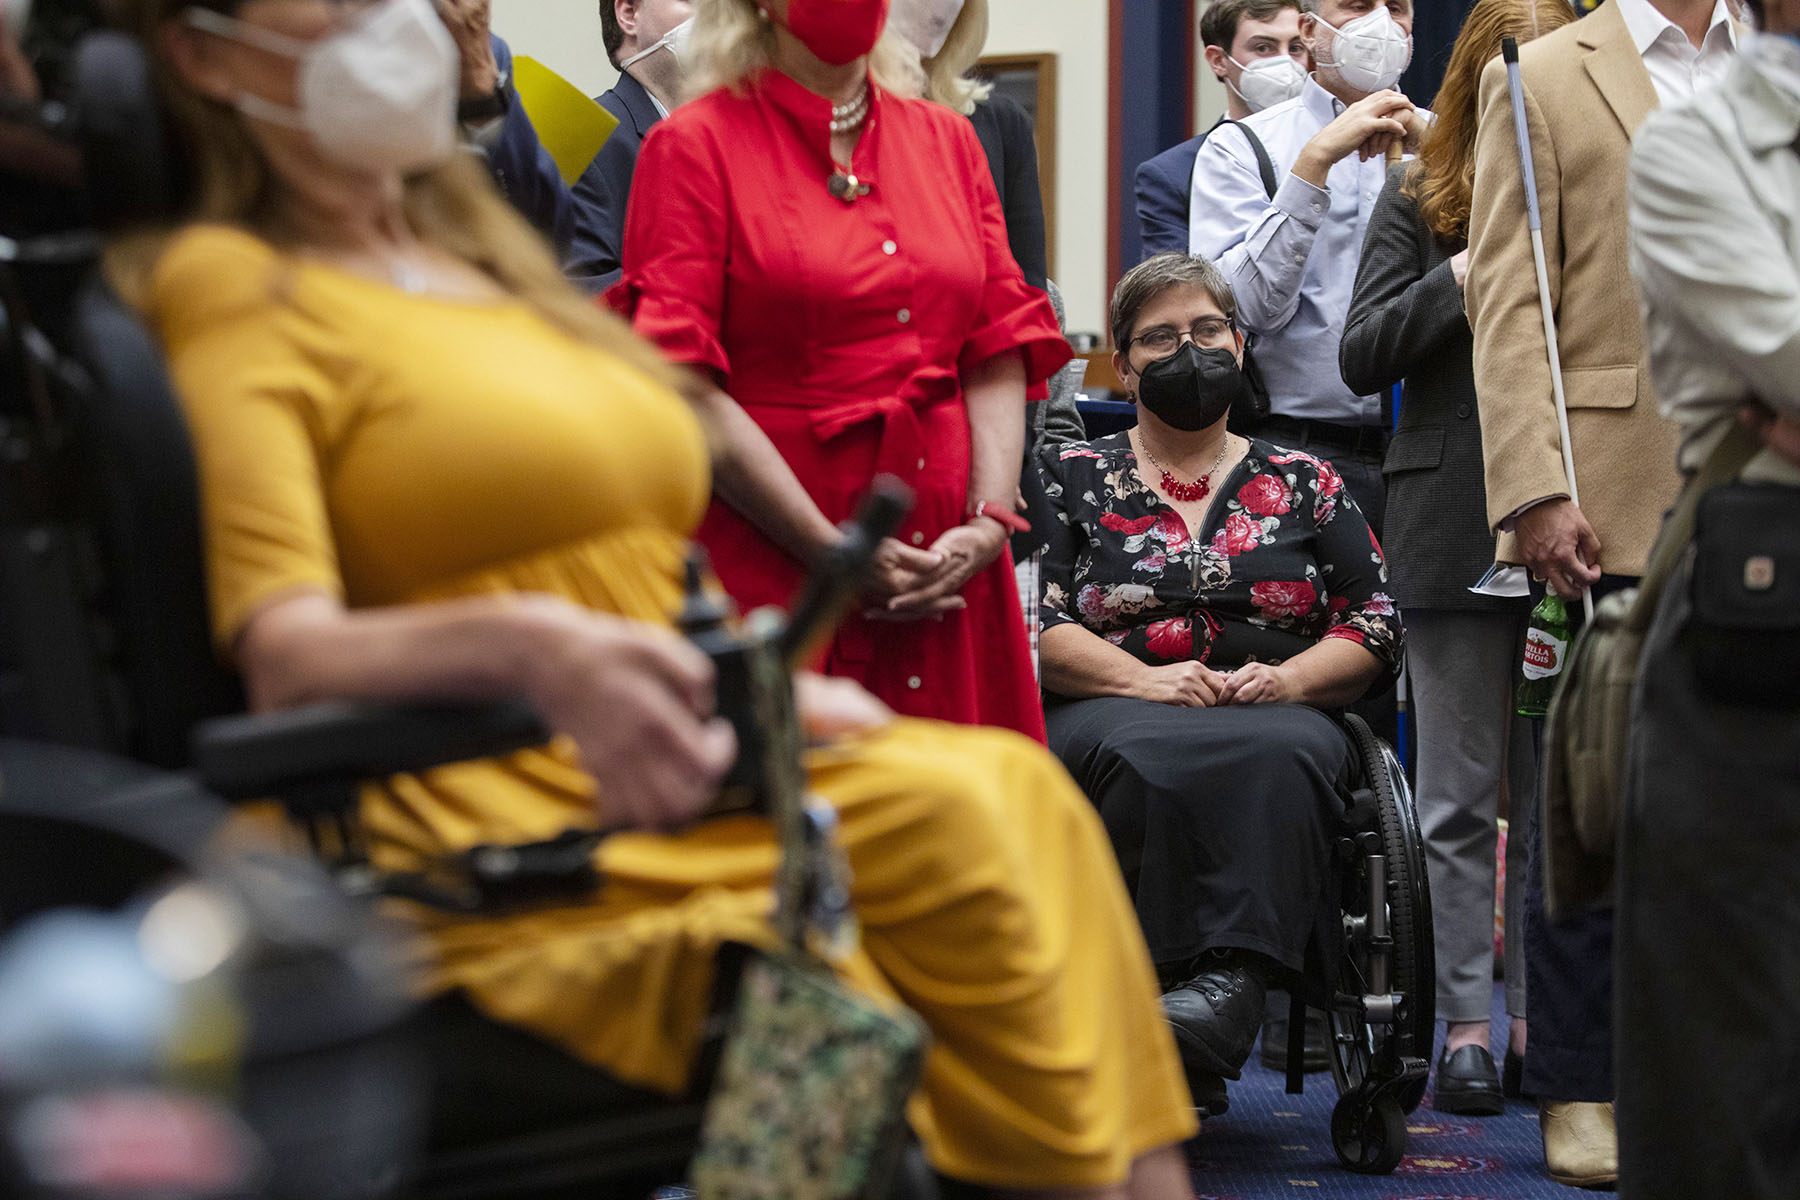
(1587, 88)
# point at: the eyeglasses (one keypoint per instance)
(1207, 332)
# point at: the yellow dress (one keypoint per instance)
(395, 449)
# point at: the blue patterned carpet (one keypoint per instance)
(1275, 1145)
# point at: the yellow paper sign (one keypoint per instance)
(570, 125)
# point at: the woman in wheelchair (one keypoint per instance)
(430, 469)
(1206, 597)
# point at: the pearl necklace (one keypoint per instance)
(846, 117)
(1201, 488)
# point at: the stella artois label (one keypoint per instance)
(1543, 655)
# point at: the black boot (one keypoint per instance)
(1215, 1014)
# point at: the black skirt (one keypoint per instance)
(1222, 819)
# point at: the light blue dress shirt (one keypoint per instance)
(1291, 260)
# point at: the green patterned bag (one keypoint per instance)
(810, 1099)
(809, 1102)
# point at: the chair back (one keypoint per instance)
(103, 626)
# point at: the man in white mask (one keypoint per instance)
(1291, 255)
(1254, 48)
(645, 40)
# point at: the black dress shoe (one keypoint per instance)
(1209, 1096)
(1215, 1016)
(1512, 1077)
(1467, 1084)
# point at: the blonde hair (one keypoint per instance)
(731, 41)
(947, 78)
(452, 207)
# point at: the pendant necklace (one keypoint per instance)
(846, 118)
(1201, 488)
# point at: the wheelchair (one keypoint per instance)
(1381, 1004)
(111, 698)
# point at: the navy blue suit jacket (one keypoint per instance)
(525, 172)
(1163, 185)
(605, 187)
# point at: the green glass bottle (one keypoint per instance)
(1546, 649)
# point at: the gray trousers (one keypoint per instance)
(1471, 752)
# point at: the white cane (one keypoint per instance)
(1509, 50)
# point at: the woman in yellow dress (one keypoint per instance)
(430, 470)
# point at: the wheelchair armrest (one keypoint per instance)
(253, 756)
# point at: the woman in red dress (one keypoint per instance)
(833, 256)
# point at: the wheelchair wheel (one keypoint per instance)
(1380, 1050)
(1369, 1134)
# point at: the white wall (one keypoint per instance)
(1077, 32)
(565, 36)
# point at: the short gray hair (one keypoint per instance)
(1161, 273)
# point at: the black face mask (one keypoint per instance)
(1192, 388)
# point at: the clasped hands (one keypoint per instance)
(1367, 129)
(1196, 685)
(911, 583)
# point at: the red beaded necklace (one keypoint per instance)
(1201, 488)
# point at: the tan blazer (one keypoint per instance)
(1586, 92)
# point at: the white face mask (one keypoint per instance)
(377, 96)
(1266, 82)
(925, 23)
(1368, 53)
(675, 42)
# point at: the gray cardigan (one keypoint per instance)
(1406, 321)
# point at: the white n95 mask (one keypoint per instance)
(1266, 82)
(1368, 53)
(925, 23)
(675, 42)
(379, 95)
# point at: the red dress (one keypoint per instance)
(843, 329)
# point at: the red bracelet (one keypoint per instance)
(1007, 518)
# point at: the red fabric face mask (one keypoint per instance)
(838, 31)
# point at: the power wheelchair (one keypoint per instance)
(111, 698)
(104, 647)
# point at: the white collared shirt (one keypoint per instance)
(1291, 260)
(1677, 68)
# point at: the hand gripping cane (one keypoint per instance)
(1509, 50)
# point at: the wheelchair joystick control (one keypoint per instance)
(704, 612)
(708, 619)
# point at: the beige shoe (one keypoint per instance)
(1581, 1144)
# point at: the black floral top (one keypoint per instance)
(1285, 559)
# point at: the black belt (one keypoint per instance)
(1357, 439)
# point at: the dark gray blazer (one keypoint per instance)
(1406, 322)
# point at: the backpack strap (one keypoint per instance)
(1265, 165)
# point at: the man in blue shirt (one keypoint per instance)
(643, 38)
(1291, 258)
(1237, 34)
